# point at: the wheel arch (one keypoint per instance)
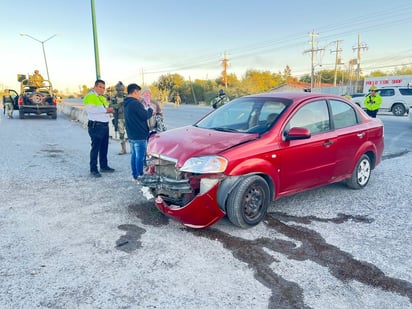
(228, 184)
(371, 153)
(372, 158)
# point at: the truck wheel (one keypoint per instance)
(21, 114)
(248, 202)
(398, 109)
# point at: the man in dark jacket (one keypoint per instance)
(136, 114)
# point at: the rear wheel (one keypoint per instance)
(361, 174)
(248, 202)
(398, 109)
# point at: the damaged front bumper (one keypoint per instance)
(200, 212)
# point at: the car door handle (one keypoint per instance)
(361, 135)
(328, 143)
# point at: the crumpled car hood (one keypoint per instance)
(190, 141)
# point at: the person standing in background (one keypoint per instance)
(136, 115)
(8, 104)
(36, 79)
(98, 115)
(220, 100)
(156, 121)
(119, 123)
(177, 100)
(372, 102)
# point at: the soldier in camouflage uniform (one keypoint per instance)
(118, 121)
(8, 104)
(220, 100)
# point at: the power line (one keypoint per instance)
(363, 23)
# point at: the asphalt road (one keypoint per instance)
(398, 132)
(70, 241)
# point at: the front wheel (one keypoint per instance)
(398, 109)
(361, 173)
(248, 202)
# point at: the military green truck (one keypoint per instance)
(36, 96)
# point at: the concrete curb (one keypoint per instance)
(75, 112)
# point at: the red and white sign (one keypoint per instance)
(385, 81)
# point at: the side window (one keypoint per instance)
(405, 91)
(343, 114)
(387, 92)
(313, 116)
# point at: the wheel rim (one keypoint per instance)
(253, 202)
(364, 172)
(398, 110)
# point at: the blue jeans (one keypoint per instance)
(138, 156)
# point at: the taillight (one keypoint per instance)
(54, 102)
(20, 101)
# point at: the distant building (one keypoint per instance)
(294, 86)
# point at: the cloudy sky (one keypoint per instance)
(140, 40)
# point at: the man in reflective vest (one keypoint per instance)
(98, 114)
(372, 102)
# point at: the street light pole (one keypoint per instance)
(44, 52)
(96, 44)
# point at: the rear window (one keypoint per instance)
(405, 91)
(343, 114)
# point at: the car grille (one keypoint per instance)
(166, 181)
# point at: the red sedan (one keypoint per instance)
(242, 156)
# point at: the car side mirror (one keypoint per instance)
(296, 133)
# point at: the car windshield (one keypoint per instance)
(247, 114)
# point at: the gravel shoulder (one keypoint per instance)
(71, 241)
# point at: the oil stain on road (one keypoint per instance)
(256, 253)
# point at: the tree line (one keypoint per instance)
(199, 91)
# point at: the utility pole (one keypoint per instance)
(358, 48)
(193, 91)
(337, 60)
(312, 51)
(225, 64)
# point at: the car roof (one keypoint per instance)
(295, 95)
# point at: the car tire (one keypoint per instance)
(53, 115)
(361, 173)
(21, 114)
(398, 109)
(248, 202)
